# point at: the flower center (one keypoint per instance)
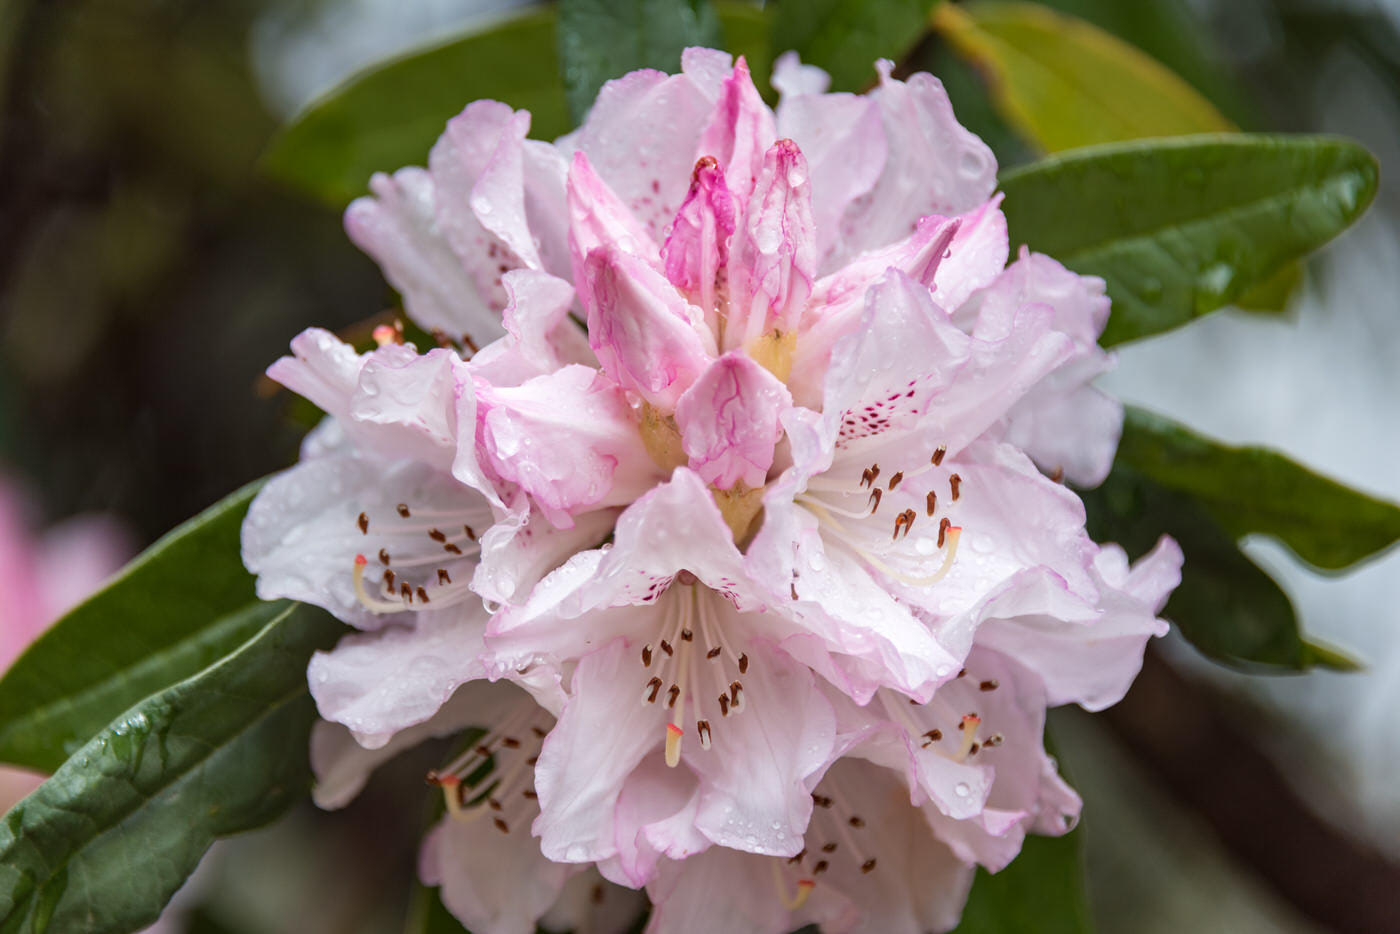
(691, 662)
(907, 562)
(835, 835)
(432, 545)
(964, 731)
(496, 775)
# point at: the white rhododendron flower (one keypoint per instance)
(729, 508)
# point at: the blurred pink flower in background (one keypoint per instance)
(47, 572)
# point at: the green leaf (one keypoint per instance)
(182, 604)
(1042, 891)
(604, 39)
(1066, 83)
(1226, 605)
(103, 844)
(1180, 227)
(390, 115)
(845, 37)
(1257, 490)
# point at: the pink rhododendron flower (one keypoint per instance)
(752, 486)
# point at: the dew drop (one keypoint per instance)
(962, 789)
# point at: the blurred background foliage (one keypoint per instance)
(155, 256)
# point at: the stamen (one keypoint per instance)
(943, 526)
(874, 501)
(403, 510)
(938, 455)
(804, 888)
(989, 685)
(443, 577)
(369, 602)
(931, 737)
(894, 481)
(954, 481)
(970, 723)
(363, 523)
(652, 689)
(674, 734)
(702, 727)
(930, 503)
(646, 655)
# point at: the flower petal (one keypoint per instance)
(755, 780)
(934, 165)
(378, 684)
(599, 739)
(774, 257)
(740, 130)
(568, 438)
(398, 227)
(730, 421)
(696, 248)
(490, 881)
(646, 336)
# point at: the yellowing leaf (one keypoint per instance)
(1065, 83)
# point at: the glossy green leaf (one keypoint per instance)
(845, 37)
(1180, 227)
(1066, 83)
(181, 605)
(1257, 490)
(604, 39)
(1226, 605)
(1041, 891)
(102, 845)
(1174, 34)
(390, 115)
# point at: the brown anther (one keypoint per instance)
(437, 535)
(471, 533)
(532, 761)
(672, 693)
(743, 663)
(403, 510)
(422, 595)
(938, 455)
(972, 750)
(868, 476)
(406, 591)
(954, 481)
(384, 556)
(389, 580)
(687, 635)
(867, 866)
(724, 705)
(798, 858)
(646, 655)
(539, 733)
(1059, 475)
(991, 684)
(714, 652)
(597, 894)
(736, 693)
(829, 848)
(443, 576)
(468, 343)
(666, 647)
(451, 549)
(856, 821)
(655, 685)
(441, 338)
(944, 525)
(494, 805)
(821, 801)
(501, 825)
(363, 523)
(483, 750)
(932, 736)
(702, 728)
(894, 481)
(874, 501)
(819, 868)
(993, 741)
(962, 672)
(930, 503)
(510, 742)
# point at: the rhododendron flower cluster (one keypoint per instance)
(730, 509)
